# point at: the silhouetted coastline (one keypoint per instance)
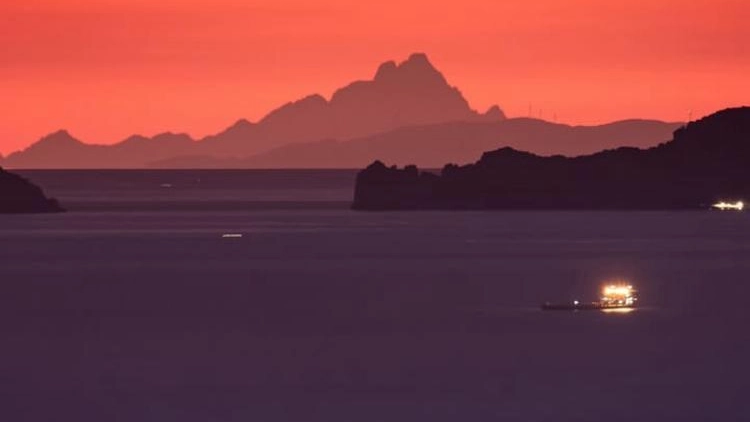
(707, 160)
(18, 195)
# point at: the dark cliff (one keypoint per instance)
(18, 195)
(705, 161)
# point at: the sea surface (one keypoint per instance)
(132, 306)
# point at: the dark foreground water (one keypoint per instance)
(322, 314)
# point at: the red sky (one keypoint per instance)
(106, 69)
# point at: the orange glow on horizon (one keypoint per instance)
(107, 69)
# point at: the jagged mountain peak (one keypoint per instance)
(59, 138)
(494, 113)
(386, 70)
(417, 66)
(58, 135)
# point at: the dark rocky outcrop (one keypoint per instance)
(18, 195)
(706, 160)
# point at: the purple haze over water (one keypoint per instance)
(132, 307)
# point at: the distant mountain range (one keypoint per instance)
(707, 161)
(61, 150)
(433, 145)
(408, 113)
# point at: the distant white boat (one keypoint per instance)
(737, 206)
(166, 185)
(231, 235)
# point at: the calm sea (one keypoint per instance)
(133, 307)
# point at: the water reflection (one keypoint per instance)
(618, 310)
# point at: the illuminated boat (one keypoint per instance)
(615, 297)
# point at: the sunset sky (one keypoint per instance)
(109, 68)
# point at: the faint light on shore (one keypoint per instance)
(737, 206)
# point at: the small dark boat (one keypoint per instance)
(614, 298)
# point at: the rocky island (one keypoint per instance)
(706, 161)
(18, 195)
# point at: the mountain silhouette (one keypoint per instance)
(61, 150)
(407, 113)
(433, 145)
(706, 161)
(18, 195)
(410, 93)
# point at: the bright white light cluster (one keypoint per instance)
(738, 206)
(618, 295)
